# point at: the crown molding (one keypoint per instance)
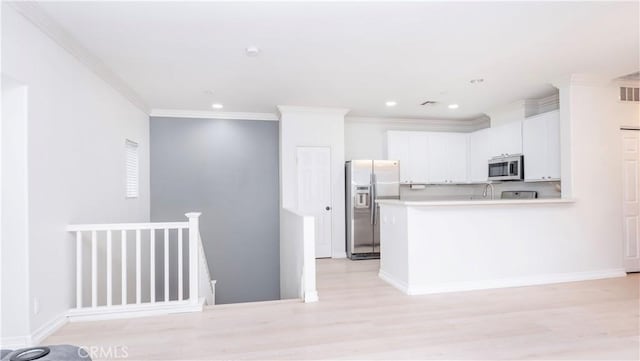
(582, 80)
(201, 114)
(34, 13)
(627, 83)
(479, 122)
(300, 109)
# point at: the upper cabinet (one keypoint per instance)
(411, 149)
(541, 147)
(506, 139)
(448, 157)
(454, 158)
(398, 149)
(418, 155)
(480, 151)
(429, 157)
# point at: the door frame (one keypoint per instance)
(331, 188)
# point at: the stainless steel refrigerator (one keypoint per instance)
(367, 181)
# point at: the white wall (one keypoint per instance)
(77, 126)
(499, 246)
(297, 256)
(366, 138)
(591, 117)
(320, 127)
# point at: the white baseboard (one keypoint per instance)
(339, 255)
(37, 336)
(402, 286)
(48, 329)
(133, 311)
(13, 343)
(311, 296)
(501, 283)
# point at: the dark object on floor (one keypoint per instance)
(48, 353)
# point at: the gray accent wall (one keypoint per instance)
(228, 170)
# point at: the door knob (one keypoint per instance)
(327, 208)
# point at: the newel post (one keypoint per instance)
(194, 233)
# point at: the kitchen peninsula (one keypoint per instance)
(444, 246)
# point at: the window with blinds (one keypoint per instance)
(132, 163)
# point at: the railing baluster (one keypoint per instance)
(180, 276)
(78, 269)
(138, 268)
(124, 266)
(166, 264)
(152, 264)
(109, 270)
(94, 269)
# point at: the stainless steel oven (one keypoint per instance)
(506, 168)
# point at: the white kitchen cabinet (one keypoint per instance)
(458, 147)
(447, 157)
(398, 149)
(553, 144)
(479, 154)
(506, 139)
(429, 157)
(418, 157)
(541, 147)
(411, 149)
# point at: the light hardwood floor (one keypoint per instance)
(361, 317)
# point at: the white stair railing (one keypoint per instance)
(135, 290)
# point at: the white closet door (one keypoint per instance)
(314, 193)
(630, 202)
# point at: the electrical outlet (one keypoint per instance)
(36, 306)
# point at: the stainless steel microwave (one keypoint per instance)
(504, 168)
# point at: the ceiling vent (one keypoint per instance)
(429, 102)
(628, 94)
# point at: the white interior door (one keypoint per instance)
(314, 193)
(630, 202)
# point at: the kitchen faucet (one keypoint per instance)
(486, 187)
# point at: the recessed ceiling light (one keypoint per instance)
(217, 106)
(252, 51)
(391, 103)
(453, 106)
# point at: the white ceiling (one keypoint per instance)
(352, 55)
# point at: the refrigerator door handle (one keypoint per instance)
(373, 198)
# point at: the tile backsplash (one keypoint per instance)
(474, 191)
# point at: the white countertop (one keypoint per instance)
(474, 202)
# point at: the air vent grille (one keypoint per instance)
(429, 102)
(629, 94)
